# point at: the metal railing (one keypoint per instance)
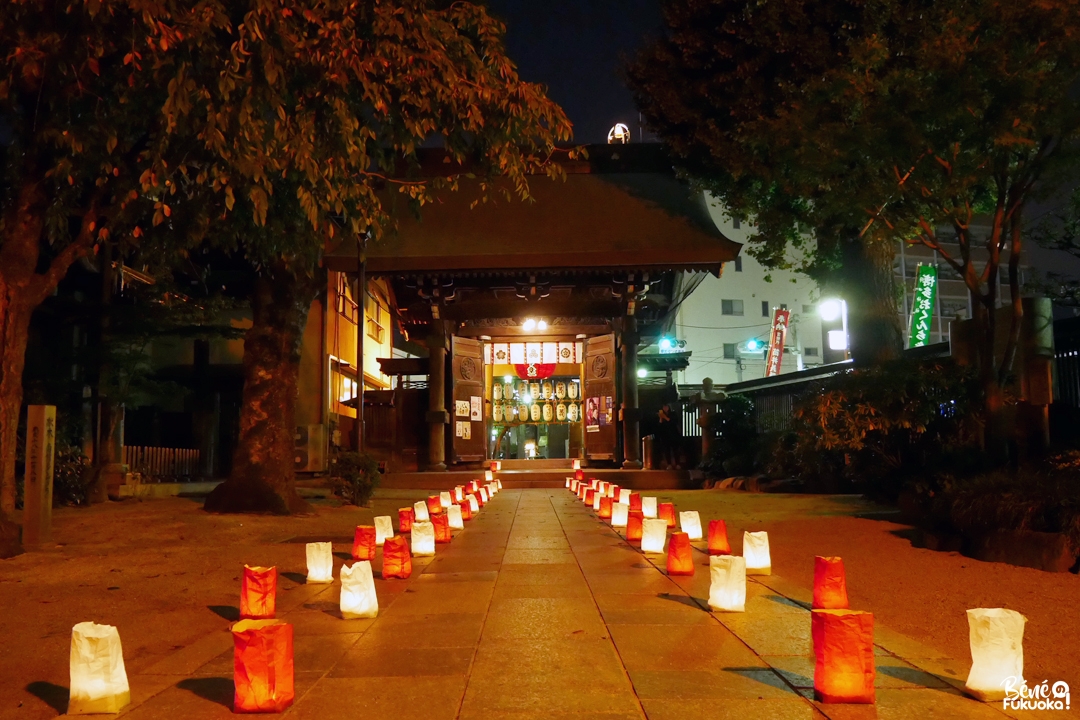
(161, 464)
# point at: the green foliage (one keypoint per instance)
(734, 449)
(354, 477)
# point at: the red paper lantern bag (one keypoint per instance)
(262, 666)
(590, 496)
(466, 511)
(442, 527)
(843, 656)
(479, 498)
(680, 556)
(634, 520)
(434, 505)
(258, 592)
(396, 558)
(830, 584)
(405, 519)
(666, 511)
(718, 541)
(605, 507)
(579, 475)
(635, 501)
(363, 545)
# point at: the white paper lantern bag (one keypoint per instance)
(484, 494)
(596, 499)
(459, 494)
(320, 562)
(453, 515)
(420, 513)
(384, 529)
(727, 583)
(648, 507)
(358, 598)
(568, 481)
(474, 506)
(624, 496)
(997, 651)
(653, 535)
(444, 499)
(690, 523)
(423, 539)
(756, 552)
(99, 681)
(488, 475)
(620, 514)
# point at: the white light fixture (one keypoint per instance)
(830, 309)
(508, 379)
(526, 398)
(529, 325)
(541, 325)
(837, 340)
(642, 372)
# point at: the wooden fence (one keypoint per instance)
(160, 464)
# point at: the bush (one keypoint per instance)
(354, 477)
(735, 447)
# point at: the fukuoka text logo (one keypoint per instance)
(1044, 696)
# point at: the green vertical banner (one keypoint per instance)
(922, 308)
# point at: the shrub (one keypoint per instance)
(354, 477)
(734, 449)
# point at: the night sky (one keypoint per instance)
(576, 48)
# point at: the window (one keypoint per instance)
(731, 307)
(738, 264)
(346, 307)
(376, 318)
(736, 223)
(764, 308)
(783, 306)
(729, 351)
(810, 352)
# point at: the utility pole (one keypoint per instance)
(361, 322)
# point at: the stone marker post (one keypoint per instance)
(38, 481)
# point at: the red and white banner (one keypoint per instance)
(776, 342)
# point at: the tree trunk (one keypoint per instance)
(262, 478)
(14, 334)
(870, 292)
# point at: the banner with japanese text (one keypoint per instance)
(777, 338)
(922, 307)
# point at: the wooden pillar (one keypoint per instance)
(631, 414)
(437, 417)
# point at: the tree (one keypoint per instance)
(890, 119)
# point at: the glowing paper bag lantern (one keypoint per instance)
(434, 504)
(690, 523)
(573, 486)
(474, 505)
(568, 481)
(727, 583)
(666, 511)
(755, 549)
(320, 562)
(99, 681)
(843, 655)
(620, 512)
(384, 528)
(624, 496)
(474, 486)
(420, 513)
(680, 555)
(635, 501)
(258, 593)
(597, 497)
(498, 484)
(423, 539)
(634, 522)
(718, 541)
(480, 499)
(997, 651)
(453, 515)
(442, 527)
(590, 495)
(494, 465)
(613, 491)
(577, 464)
(396, 560)
(459, 494)
(466, 511)
(405, 519)
(262, 666)
(484, 496)
(579, 474)
(605, 507)
(358, 598)
(830, 584)
(653, 535)
(648, 507)
(445, 499)
(488, 475)
(363, 544)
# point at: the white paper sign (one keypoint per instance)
(461, 408)
(476, 408)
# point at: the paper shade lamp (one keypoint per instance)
(423, 539)
(262, 666)
(358, 598)
(484, 496)
(569, 481)
(666, 511)
(680, 555)
(634, 520)
(99, 681)
(620, 512)
(653, 535)
(727, 583)
(589, 495)
(320, 562)
(755, 549)
(405, 519)
(258, 593)
(442, 528)
(396, 559)
(459, 494)
(474, 505)
(718, 541)
(843, 656)
(445, 499)
(577, 464)
(635, 501)
(579, 474)
(690, 523)
(597, 497)
(420, 513)
(434, 504)
(454, 517)
(830, 584)
(997, 651)
(384, 528)
(488, 475)
(363, 545)
(605, 507)
(648, 507)
(466, 510)
(624, 496)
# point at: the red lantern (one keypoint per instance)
(405, 519)
(258, 593)
(718, 542)
(843, 656)
(635, 501)
(634, 520)
(363, 545)
(830, 584)
(680, 556)
(262, 666)
(605, 507)
(666, 511)
(590, 497)
(579, 475)
(442, 527)
(434, 505)
(396, 559)
(479, 498)
(466, 511)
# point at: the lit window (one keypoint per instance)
(376, 318)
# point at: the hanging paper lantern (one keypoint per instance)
(434, 504)
(624, 496)
(396, 560)
(690, 523)
(445, 500)
(605, 507)
(320, 562)
(830, 584)
(358, 598)
(648, 507)
(680, 556)
(474, 506)
(442, 527)
(666, 511)
(635, 501)
(453, 515)
(262, 666)
(405, 519)
(620, 512)
(258, 593)
(997, 651)
(727, 583)
(634, 523)
(653, 535)
(99, 681)
(597, 497)
(466, 510)
(718, 541)
(459, 494)
(420, 512)
(756, 551)
(843, 656)
(363, 546)
(423, 539)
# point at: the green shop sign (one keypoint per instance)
(922, 310)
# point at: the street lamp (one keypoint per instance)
(830, 310)
(642, 372)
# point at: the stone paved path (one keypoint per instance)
(539, 610)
